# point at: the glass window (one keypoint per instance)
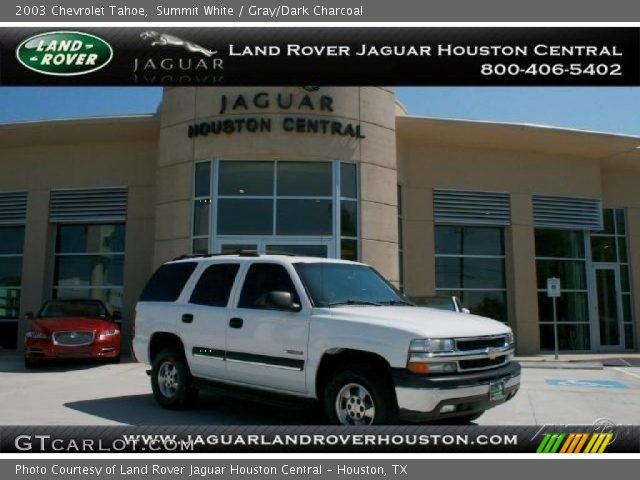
(570, 336)
(628, 336)
(622, 250)
(305, 179)
(261, 279)
(559, 243)
(626, 308)
(107, 238)
(11, 240)
(490, 304)
(470, 264)
(201, 246)
(11, 248)
(349, 249)
(304, 217)
(203, 179)
(89, 263)
(469, 272)
(215, 284)
(167, 282)
(621, 224)
(348, 180)
(238, 178)
(11, 271)
(201, 217)
(304, 250)
(455, 240)
(245, 217)
(603, 249)
(570, 307)
(349, 218)
(570, 272)
(9, 303)
(608, 220)
(89, 270)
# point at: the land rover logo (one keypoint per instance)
(64, 53)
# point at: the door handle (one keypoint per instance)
(236, 322)
(187, 318)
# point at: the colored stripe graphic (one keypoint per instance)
(574, 442)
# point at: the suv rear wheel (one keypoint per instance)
(171, 380)
(358, 395)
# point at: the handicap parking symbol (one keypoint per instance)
(556, 382)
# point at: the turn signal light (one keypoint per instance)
(418, 367)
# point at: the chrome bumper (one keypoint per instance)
(420, 394)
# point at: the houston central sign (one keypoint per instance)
(290, 102)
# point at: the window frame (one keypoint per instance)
(336, 198)
(458, 291)
(202, 272)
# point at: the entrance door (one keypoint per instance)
(307, 247)
(607, 307)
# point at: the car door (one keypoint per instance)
(267, 347)
(204, 321)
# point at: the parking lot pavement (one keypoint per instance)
(120, 394)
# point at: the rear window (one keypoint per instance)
(166, 284)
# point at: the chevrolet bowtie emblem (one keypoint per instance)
(493, 353)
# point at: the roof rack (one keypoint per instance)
(240, 252)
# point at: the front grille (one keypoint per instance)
(482, 363)
(480, 343)
(73, 339)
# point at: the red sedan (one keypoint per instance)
(72, 329)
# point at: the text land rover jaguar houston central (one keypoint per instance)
(321, 329)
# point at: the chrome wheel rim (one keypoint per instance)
(168, 380)
(354, 405)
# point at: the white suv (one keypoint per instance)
(329, 330)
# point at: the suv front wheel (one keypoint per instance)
(358, 395)
(171, 380)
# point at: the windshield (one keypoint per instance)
(334, 284)
(73, 308)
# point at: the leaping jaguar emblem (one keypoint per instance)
(162, 39)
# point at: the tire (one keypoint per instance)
(171, 380)
(360, 395)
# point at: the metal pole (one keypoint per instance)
(555, 329)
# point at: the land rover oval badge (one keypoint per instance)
(64, 53)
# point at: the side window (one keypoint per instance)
(261, 279)
(166, 284)
(215, 284)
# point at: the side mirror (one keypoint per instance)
(281, 301)
(116, 316)
(29, 316)
(465, 310)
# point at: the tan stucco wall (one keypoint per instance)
(373, 108)
(521, 161)
(101, 153)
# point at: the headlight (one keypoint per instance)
(109, 333)
(420, 358)
(431, 345)
(36, 335)
(510, 337)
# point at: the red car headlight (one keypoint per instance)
(109, 333)
(36, 335)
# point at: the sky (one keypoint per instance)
(614, 110)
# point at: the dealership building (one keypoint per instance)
(483, 211)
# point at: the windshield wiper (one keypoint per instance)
(353, 302)
(395, 302)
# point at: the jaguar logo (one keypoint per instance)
(166, 39)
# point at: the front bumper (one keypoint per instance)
(422, 397)
(35, 349)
